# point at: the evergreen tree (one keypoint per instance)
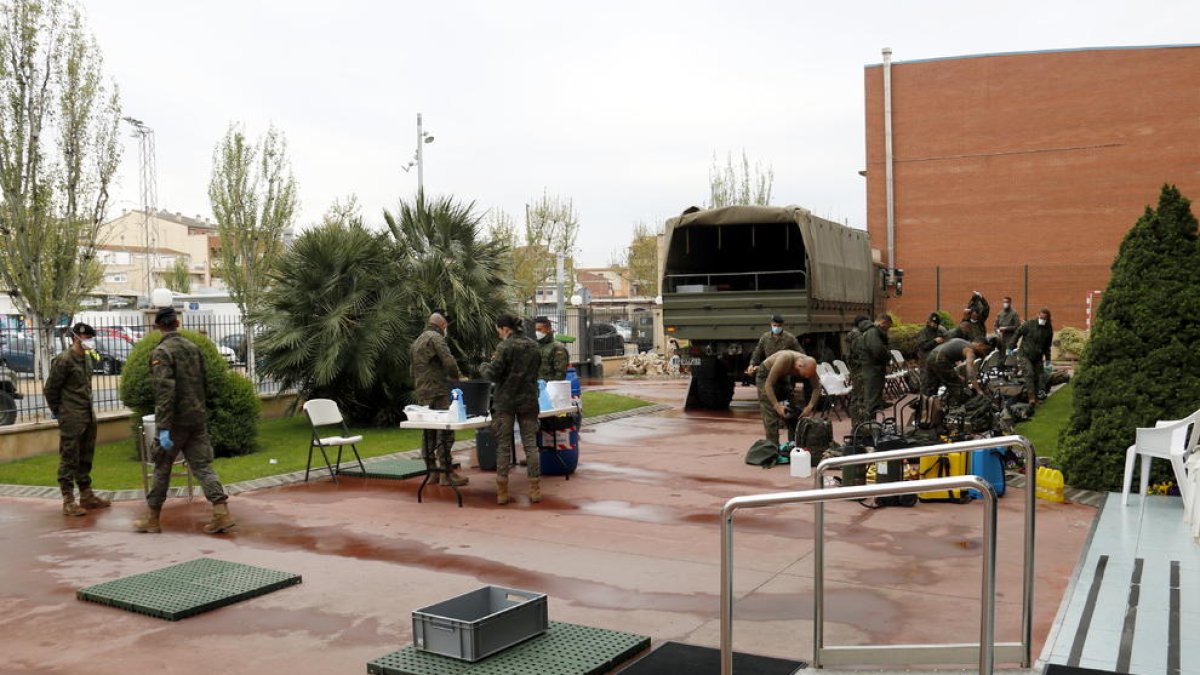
(1141, 363)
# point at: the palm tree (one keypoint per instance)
(450, 264)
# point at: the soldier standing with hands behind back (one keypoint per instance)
(68, 392)
(181, 417)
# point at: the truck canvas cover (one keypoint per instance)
(838, 257)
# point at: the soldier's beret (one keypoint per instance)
(778, 318)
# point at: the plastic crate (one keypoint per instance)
(478, 624)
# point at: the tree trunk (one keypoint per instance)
(44, 347)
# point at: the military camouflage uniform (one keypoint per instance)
(68, 392)
(875, 357)
(1035, 341)
(555, 359)
(514, 373)
(433, 366)
(927, 341)
(940, 370)
(781, 387)
(1006, 325)
(855, 362)
(770, 343)
(180, 406)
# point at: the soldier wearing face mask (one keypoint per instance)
(68, 392)
(774, 340)
(555, 358)
(1034, 338)
(973, 324)
(1006, 325)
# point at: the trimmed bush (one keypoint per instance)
(1071, 341)
(1141, 363)
(233, 403)
(903, 336)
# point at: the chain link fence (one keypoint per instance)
(21, 398)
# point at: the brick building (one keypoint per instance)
(1019, 174)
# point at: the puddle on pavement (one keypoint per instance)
(626, 471)
(644, 513)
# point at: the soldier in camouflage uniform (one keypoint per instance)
(854, 361)
(513, 371)
(874, 358)
(68, 392)
(973, 325)
(1035, 337)
(180, 381)
(433, 367)
(772, 341)
(780, 368)
(941, 369)
(555, 358)
(1007, 322)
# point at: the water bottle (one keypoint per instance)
(800, 461)
(458, 409)
(573, 377)
(544, 396)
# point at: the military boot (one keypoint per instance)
(502, 490)
(221, 520)
(148, 522)
(451, 478)
(70, 508)
(535, 489)
(91, 500)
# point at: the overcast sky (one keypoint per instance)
(618, 105)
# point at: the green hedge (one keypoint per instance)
(233, 403)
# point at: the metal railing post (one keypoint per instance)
(819, 496)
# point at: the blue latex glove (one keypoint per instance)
(164, 439)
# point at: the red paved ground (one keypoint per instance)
(630, 543)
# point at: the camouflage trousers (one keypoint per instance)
(502, 429)
(76, 448)
(198, 453)
(859, 410)
(938, 373)
(872, 379)
(770, 417)
(1035, 376)
(435, 444)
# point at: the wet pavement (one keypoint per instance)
(631, 542)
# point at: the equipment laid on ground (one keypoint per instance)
(474, 625)
(942, 466)
(989, 465)
(1050, 484)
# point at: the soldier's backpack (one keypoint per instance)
(763, 453)
(814, 433)
(976, 415)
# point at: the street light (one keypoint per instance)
(418, 159)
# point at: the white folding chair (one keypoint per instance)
(842, 369)
(837, 390)
(1171, 440)
(324, 412)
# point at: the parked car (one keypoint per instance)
(17, 354)
(115, 332)
(625, 328)
(606, 340)
(114, 352)
(235, 344)
(8, 396)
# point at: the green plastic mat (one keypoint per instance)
(187, 589)
(397, 469)
(564, 649)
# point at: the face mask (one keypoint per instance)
(1041, 322)
(777, 329)
(539, 334)
(1007, 306)
(88, 344)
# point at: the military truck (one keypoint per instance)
(727, 270)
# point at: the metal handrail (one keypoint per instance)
(1026, 644)
(987, 618)
(708, 276)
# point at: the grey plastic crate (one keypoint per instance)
(474, 625)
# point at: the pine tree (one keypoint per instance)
(1141, 363)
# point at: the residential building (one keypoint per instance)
(138, 252)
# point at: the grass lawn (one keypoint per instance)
(1042, 429)
(285, 440)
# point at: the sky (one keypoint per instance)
(619, 106)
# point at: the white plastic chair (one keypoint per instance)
(1171, 440)
(837, 390)
(324, 412)
(824, 369)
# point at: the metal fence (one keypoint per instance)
(21, 390)
(615, 331)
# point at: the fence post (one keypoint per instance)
(1026, 291)
(937, 286)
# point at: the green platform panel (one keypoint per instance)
(395, 469)
(187, 589)
(564, 649)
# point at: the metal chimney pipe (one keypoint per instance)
(887, 158)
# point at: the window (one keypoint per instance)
(116, 278)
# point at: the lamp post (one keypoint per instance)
(418, 159)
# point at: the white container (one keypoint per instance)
(800, 462)
(560, 393)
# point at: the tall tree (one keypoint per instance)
(253, 196)
(58, 152)
(732, 185)
(1140, 364)
(640, 263)
(179, 278)
(551, 228)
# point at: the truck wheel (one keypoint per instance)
(711, 387)
(8, 408)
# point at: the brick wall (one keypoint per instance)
(1041, 159)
